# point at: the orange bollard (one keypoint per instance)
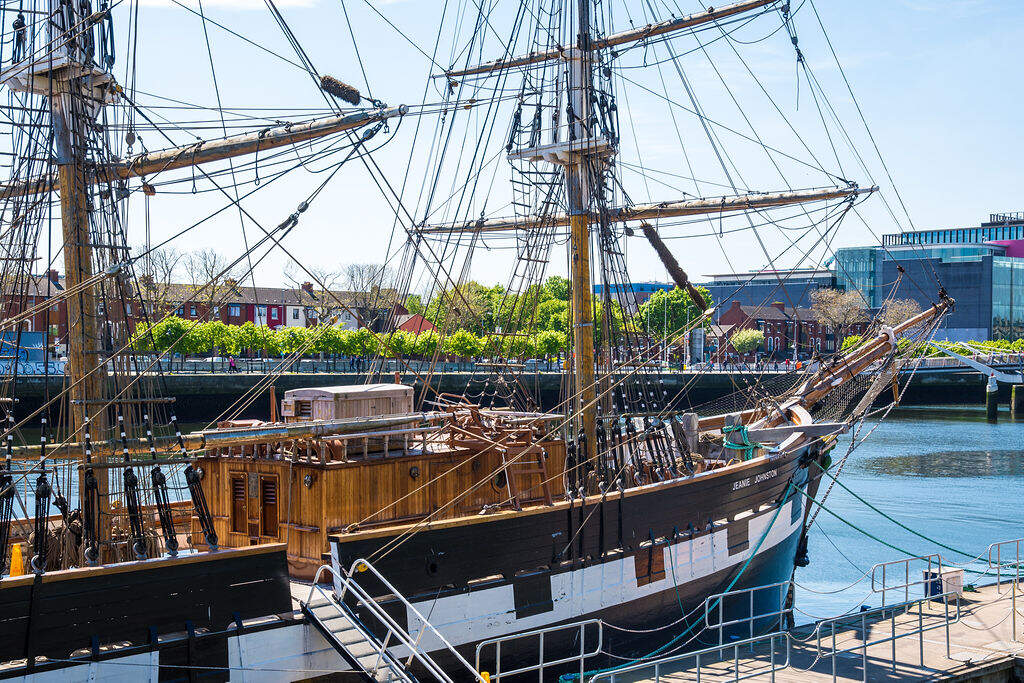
(17, 561)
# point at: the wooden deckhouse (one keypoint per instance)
(401, 467)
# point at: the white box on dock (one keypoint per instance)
(947, 581)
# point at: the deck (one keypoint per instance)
(981, 646)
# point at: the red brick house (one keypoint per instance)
(231, 303)
(789, 332)
(414, 323)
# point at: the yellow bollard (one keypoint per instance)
(17, 561)
(485, 677)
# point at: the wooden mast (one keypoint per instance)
(74, 101)
(578, 193)
(76, 88)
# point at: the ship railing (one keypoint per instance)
(896, 575)
(826, 632)
(719, 603)
(396, 635)
(779, 646)
(999, 558)
(542, 635)
(361, 566)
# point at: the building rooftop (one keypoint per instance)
(772, 274)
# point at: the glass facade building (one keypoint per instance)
(981, 267)
(1007, 298)
(1001, 226)
(857, 268)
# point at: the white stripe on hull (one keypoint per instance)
(276, 655)
(473, 616)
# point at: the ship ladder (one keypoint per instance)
(369, 655)
(525, 461)
(361, 650)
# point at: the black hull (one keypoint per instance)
(461, 573)
(663, 608)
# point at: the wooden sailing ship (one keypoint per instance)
(617, 504)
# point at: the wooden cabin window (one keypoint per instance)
(239, 515)
(268, 506)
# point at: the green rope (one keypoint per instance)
(745, 446)
(753, 554)
(891, 519)
(872, 536)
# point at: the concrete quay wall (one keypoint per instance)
(201, 396)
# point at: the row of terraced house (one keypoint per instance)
(230, 302)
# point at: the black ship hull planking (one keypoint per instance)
(641, 560)
(477, 578)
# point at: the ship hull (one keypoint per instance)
(686, 541)
(655, 622)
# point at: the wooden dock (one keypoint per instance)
(981, 647)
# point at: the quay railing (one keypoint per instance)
(779, 642)
(884, 572)
(998, 563)
(540, 635)
(718, 604)
(826, 630)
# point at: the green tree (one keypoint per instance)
(557, 287)
(247, 338)
(142, 340)
(364, 342)
(427, 343)
(221, 336)
(268, 341)
(470, 306)
(293, 339)
(667, 311)
(745, 341)
(851, 342)
(550, 343)
(553, 314)
(616, 323)
(414, 304)
(463, 344)
(515, 313)
(398, 344)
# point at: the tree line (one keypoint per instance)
(187, 338)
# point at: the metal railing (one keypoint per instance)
(542, 664)
(655, 669)
(826, 630)
(363, 566)
(349, 586)
(379, 648)
(780, 589)
(882, 572)
(998, 563)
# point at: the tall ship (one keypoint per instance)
(383, 530)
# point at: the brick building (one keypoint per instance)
(793, 333)
(229, 302)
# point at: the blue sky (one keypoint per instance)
(938, 83)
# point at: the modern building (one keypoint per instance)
(793, 287)
(981, 267)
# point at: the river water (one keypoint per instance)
(944, 472)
